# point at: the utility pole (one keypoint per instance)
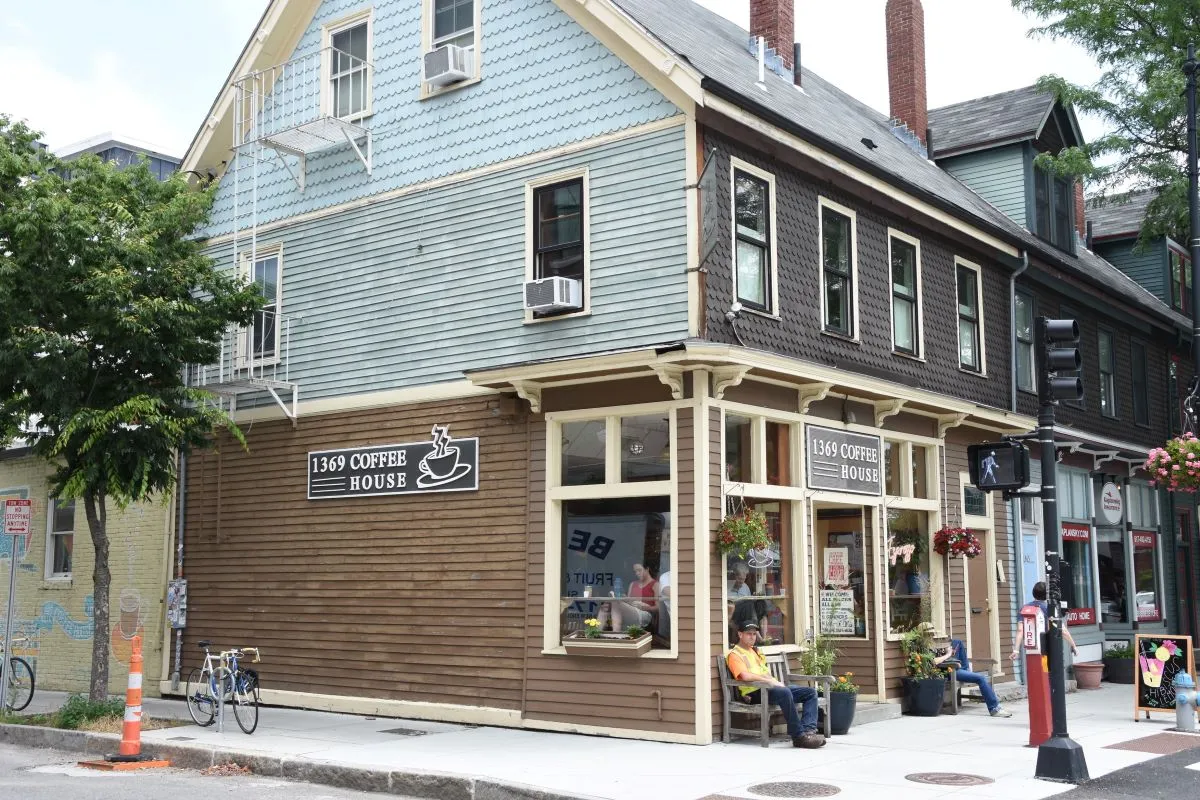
(1059, 758)
(1191, 408)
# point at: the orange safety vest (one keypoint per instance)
(741, 661)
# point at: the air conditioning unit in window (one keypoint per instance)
(553, 294)
(448, 64)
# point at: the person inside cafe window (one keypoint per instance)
(741, 571)
(639, 607)
(745, 611)
(747, 663)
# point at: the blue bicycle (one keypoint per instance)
(222, 679)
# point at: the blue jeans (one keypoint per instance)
(985, 686)
(786, 698)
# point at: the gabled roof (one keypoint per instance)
(103, 141)
(1008, 117)
(1119, 216)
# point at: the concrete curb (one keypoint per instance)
(404, 783)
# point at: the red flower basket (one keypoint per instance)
(956, 542)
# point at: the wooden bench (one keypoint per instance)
(732, 703)
(954, 694)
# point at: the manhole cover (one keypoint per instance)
(794, 789)
(1162, 744)
(404, 732)
(181, 739)
(948, 779)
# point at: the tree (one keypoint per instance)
(1141, 46)
(105, 297)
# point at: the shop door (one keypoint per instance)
(981, 611)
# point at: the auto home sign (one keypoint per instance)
(440, 465)
(843, 462)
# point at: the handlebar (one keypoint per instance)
(241, 652)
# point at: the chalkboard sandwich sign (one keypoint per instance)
(1156, 662)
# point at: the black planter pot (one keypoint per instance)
(925, 696)
(1118, 670)
(841, 711)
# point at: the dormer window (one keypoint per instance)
(1181, 281)
(1054, 209)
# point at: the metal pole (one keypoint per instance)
(1191, 409)
(1059, 758)
(5, 666)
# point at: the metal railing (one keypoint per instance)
(255, 354)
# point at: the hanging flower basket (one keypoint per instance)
(1176, 465)
(956, 542)
(742, 532)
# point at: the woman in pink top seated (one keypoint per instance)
(636, 609)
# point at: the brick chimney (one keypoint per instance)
(775, 21)
(1080, 210)
(906, 64)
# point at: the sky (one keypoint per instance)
(150, 69)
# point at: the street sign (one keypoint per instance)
(18, 517)
(998, 466)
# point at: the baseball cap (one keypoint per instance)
(747, 626)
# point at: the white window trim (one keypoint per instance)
(1017, 343)
(823, 203)
(242, 359)
(612, 488)
(49, 573)
(971, 265)
(937, 568)
(428, 91)
(920, 308)
(531, 188)
(327, 33)
(735, 165)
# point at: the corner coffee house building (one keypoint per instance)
(427, 560)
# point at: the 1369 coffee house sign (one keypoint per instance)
(440, 465)
(841, 461)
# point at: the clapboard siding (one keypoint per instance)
(1147, 266)
(997, 176)
(417, 289)
(718, 611)
(546, 83)
(360, 597)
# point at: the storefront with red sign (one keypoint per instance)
(1077, 547)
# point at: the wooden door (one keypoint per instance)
(981, 610)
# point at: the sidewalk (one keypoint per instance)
(441, 760)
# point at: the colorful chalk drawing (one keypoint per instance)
(54, 614)
(126, 624)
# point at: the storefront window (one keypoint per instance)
(841, 558)
(616, 558)
(778, 454)
(920, 472)
(893, 453)
(737, 448)
(1145, 573)
(908, 565)
(1110, 556)
(583, 452)
(759, 584)
(646, 448)
(1077, 546)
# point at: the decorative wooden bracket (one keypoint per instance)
(528, 390)
(1107, 455)
(812, 393)
(947, 421)
(726, 378)
(672, 376)
(885, 409)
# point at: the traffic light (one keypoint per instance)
(1060, 352)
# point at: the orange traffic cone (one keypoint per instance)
(130, 753)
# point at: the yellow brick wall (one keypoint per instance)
(56, 614)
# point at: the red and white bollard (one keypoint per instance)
(1037, 676)
(129, 755)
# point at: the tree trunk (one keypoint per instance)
(97, 524)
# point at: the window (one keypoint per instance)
(840, 542)
(1145, 577)
(1074, 494)
(1110, 558)
(260, 342)
(1054, 209)
(906, 282)
(557, 208)
(61, 538)
(757, 450)
(838, 269)
(974, 502)
(1181, 280)
(1074, 502)
(1026, 360)
(1141, 386)
(910, 600)
(758, 585)
(970, 322)
(1108, 366)
(457, 23)
(753, 229)
(1174, 401)
(737, 448)
(348, 70)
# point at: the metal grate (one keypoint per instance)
(405, 732)
(795, 789)
(1162, 744)
(948, 779)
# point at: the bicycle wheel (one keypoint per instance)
(200, 697)
(245, 701)
(20, 684)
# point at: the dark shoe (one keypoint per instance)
(810, 741)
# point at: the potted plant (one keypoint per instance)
(956, 542)
(1176, 465)
(818, 656)
(741, 532)
(843, 700)
(1118, 663)
(925, 686)
(592, 641)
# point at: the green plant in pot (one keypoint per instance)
(743, 531)
(1118, 664)
(925, 686)
(843, 700)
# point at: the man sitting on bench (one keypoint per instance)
(747, 663)
(957, 651)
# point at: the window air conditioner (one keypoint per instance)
(553, 294)
(448, 64)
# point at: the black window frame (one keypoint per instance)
(765, 244)
(1054, 219)
(1026, 341)
(848, 329)
(539, 252)
(913, 300)
(977, 321)
(1107, 373)
(1179, 265)
(1139, 380)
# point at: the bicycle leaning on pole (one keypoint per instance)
(222, 679)
(19, 675)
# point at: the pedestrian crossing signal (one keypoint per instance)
(998, 466)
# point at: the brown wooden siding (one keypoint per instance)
(417, 597)
(718, 614)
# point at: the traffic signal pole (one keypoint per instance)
(1060, 758)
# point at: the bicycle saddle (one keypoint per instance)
(203, 643)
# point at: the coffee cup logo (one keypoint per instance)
(441, 465)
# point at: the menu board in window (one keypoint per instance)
(1156, 662)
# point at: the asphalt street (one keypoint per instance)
(32, 774)
(1175, 776)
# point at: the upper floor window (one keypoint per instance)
(1174, 399)
(754, 248)
(260, 341)
(558, 239)
(1181, 281)
(348, 88)
(454, 22)
(1054, 209)
(446, 24)
(60, 535)
(839, 269)
(1025, 354)
(1141, 387)
(970, 318)
(1108, 368)
(906, 296)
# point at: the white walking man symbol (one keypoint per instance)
(989, 469)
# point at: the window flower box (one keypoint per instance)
(609, 645)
